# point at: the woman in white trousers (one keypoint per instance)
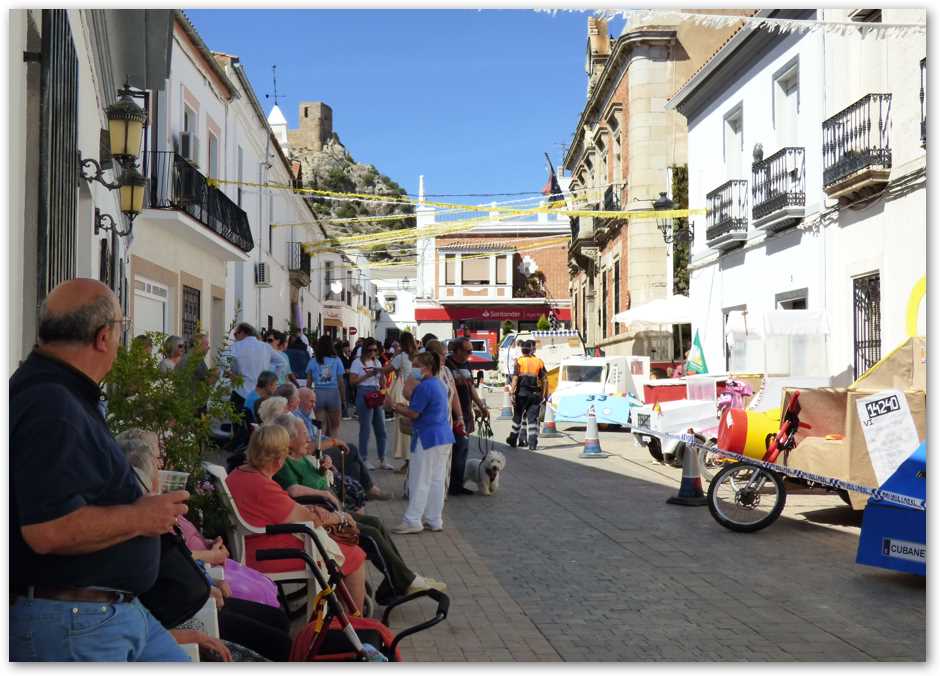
(432, 437)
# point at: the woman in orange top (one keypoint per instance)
(263, 502)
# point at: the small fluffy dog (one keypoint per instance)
(484, 472)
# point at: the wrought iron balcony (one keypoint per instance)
(298, 264)
(778, 189)
(177, 184)
(857, 147)
(726, 215)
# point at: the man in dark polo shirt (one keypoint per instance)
(458, 363)
(84, 539)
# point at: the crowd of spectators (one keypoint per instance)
(91, 540)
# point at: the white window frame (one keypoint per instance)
(736, 113)
(210, 137)
(781, 79)
(789, 296)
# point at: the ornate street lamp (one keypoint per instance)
(665, 224)
(126, 122)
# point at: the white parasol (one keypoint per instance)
(665, 311)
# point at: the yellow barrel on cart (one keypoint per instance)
(746, 432)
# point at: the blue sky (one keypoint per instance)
(471, 99)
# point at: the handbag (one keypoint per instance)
(181, 589)
(347, 535)
(374, 399)
(397, 397)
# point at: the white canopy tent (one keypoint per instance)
(662, 312)
(658, 314)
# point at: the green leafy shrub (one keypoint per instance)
(179, 408)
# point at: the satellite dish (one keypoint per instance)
(336, 287)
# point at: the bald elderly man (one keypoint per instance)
(337, 449)
(84, 538)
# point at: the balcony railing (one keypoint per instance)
(778, 183)
(857, 138)
(923, 103)
(177, 184)
(298, 264)
(726, 213)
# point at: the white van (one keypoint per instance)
(618, 381)
(550, 346)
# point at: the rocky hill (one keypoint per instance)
(333, 168)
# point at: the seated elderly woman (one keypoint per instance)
(262, 502)
(271, 407)
(302, 480)
(259, 627)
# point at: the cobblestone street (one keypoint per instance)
(582, 560)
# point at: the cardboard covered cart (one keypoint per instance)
(835, 444)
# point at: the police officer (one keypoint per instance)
(529, 382)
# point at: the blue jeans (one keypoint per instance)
(42, 630)
(370, 417)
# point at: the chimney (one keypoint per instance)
(598, 49)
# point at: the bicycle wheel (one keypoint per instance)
(745, 498)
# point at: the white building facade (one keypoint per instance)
(396, 294)
(66, 67)
(190, 230)
(216, 244)
(805, 151)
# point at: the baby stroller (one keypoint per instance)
(332, 635)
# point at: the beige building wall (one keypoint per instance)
(175, 262)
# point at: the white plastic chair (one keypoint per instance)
(242, 529)
(206, 621)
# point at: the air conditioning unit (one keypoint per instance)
(262, 275)
(189, 146)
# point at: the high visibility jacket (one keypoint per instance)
(530, 371)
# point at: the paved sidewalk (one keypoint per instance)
(582, 560)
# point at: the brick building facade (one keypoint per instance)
(496, 271)
(624, 147)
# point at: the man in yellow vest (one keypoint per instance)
(528, 389)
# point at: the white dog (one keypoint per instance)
(484, 472)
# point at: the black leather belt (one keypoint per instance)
(79, 594)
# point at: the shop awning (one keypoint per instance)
(489, 312)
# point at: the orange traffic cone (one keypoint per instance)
(690, 489)
(506, 412)
(548, 428)
(592, 442)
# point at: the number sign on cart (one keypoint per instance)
(889, 431)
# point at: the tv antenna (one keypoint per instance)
(276, 95)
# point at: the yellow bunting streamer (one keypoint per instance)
(642, 213)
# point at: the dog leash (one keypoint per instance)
(484, 435)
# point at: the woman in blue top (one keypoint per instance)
(325, 375)
(431, 439)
